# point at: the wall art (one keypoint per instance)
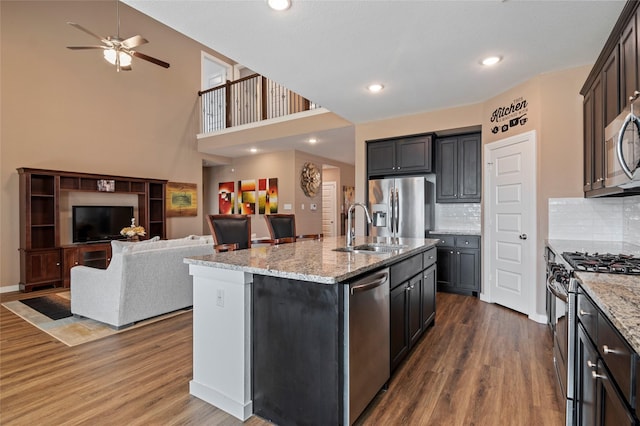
(247, 196)
(181, 199)
(226, 198)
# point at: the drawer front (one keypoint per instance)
(445, 240)
(429, 257)
(617, 355)
(402, 271)
(588, 315)
(467, 241)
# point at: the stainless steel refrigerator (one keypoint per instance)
(401, 207)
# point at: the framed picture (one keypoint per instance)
(182, 199)
(106, 185)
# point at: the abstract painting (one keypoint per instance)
(226, 198)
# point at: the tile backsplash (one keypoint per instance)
(462, 217)
(597, 219)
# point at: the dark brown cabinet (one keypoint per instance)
(94, 255)
(41, 253)
(400, 156)
(412, 303)
(605, 371)
(458, 177)
(458, 263)
(614, 78)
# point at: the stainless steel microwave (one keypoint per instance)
(622, 149)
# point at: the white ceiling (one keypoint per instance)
(426, 53)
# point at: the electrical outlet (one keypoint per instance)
(287, 206)
(220, 297)
(302, 206)
(313, 206)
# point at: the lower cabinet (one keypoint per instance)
(40, 268)
(458, 263)
(605, 370)
(412, 303)
(96, 255)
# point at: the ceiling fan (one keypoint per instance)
(117, 51)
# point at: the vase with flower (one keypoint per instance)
(133, 232)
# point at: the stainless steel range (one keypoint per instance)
(561, 305)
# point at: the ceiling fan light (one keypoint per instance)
(279, 5)
(110, 56)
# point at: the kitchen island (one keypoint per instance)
(271, 325)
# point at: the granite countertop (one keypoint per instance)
(312, 260)
(617, 296)
(455, 232)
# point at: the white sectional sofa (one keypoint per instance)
(143, 280)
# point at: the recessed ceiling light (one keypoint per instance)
(279, 5)
(253, 150)
(376, 87)
(313, 140)
(491, 60)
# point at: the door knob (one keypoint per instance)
(523, 236)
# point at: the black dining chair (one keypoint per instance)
(231, 232)
(282, 228)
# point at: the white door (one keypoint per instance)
(510, 227)
(329, 209)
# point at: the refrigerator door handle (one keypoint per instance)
(391, 207)
(397, 215)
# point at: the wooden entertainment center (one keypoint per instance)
(43, 260)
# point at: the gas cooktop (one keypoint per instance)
(603, 262)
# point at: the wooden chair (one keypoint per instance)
(282, 228)
(231, 232)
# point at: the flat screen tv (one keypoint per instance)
(99, 223)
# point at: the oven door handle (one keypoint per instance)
(553, 288)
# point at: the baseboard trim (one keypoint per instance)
(9, 288)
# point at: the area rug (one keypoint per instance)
(52, 314)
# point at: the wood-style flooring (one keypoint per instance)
(480, 364)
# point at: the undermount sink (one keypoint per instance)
(372, 248)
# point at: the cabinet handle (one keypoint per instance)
(57, 263)
(591, 364)
(408, 288)
(458, 252)
(584, 313)
(598, 376)
(76, 263)
(466, 242)
(430, 257)
(608, 350)
(451, 252)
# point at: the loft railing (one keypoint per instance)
(248, 100)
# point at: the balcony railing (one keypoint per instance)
(248, 100)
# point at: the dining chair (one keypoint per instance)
(282, 228)
(230, 231)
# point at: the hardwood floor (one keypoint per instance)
(480, 365)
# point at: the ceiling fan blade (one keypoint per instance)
(81, 28)
(134, 41)
(149, 58)
(86, 47)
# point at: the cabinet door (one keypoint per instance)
(469, 178)
(414, 311)
(468, 272)
(597, 176)
(611, 87)
(414, 155)
(399, 338)
(587, 358)
(428, 296)
(71, 259)
(628, 63)
(381, 158)
(588, 141)
(42, 266)
(446, 267)
(446, 170)
(610, 407)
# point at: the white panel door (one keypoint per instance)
(329, 209)
(510, 222)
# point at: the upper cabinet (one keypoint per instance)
(400, 156)
(458, 178)
(612, 81)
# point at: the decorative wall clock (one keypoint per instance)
(310, 179)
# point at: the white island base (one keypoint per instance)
(222, 339)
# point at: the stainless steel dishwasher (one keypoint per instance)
(366, 357)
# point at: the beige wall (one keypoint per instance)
(70, 110)
(286, 166)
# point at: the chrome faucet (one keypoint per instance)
(351, 231)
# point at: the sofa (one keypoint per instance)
(144, 279)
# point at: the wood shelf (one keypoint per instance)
(41, 255)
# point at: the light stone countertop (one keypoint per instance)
(311, 260)
(617, 295)
(460, 232)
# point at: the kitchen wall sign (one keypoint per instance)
(506, 117)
